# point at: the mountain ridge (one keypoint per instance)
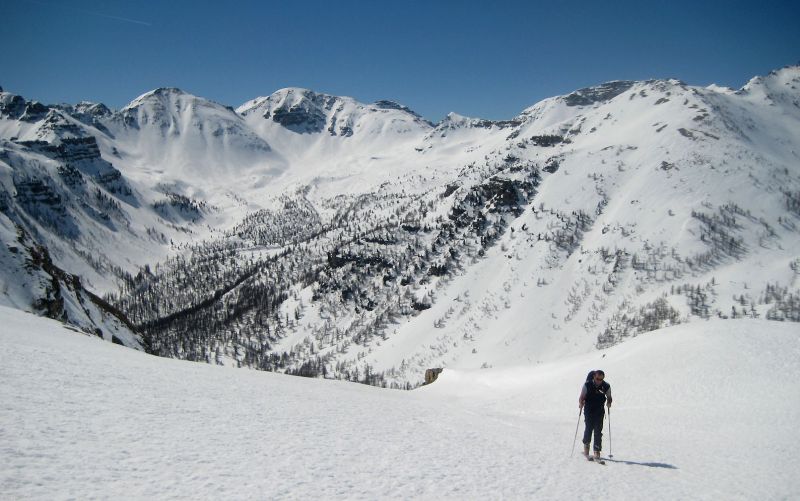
(362, 242)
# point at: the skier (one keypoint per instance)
(594, 394)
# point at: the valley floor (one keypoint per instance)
(703, 411)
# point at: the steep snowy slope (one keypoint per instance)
(84, 419)
(69, 198)
(337, 143)
(175, 137)
(63, 199)
(32, 282)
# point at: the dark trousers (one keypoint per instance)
(594, 424)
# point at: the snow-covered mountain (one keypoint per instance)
(336, 143)
(180, 136)
(316, 235)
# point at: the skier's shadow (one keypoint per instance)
(649, 465)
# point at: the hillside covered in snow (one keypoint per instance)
(316, 235)
(704, 410)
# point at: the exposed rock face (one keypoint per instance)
(597, 94)
(93, 109)
(306, 112)
(385, 104)
(91, 114)
(34, 111)
(11, 105)
(432, 374)
(41, 201)
(303, 117)
(77, 149)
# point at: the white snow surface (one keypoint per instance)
(702, 411)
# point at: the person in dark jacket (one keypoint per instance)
(596, 392)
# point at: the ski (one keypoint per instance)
(598, 460)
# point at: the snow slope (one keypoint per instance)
(334, 142)
(703, 411)
(173, 136)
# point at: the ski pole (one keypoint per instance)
(609, 432)
(580, 409)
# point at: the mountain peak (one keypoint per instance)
(299, 91)
(304, 111)
(720, 89)
(386, 104)
(11, 105)
(97, 109)
(781, 85)
(455, 121)
(166, 91)
(160, 94)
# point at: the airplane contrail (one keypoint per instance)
(118, 18)
(91, 13)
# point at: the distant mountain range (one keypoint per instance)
(316, 235)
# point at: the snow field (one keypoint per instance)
(702, 411)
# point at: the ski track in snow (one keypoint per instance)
(702, 413)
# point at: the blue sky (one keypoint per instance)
(483, 59)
